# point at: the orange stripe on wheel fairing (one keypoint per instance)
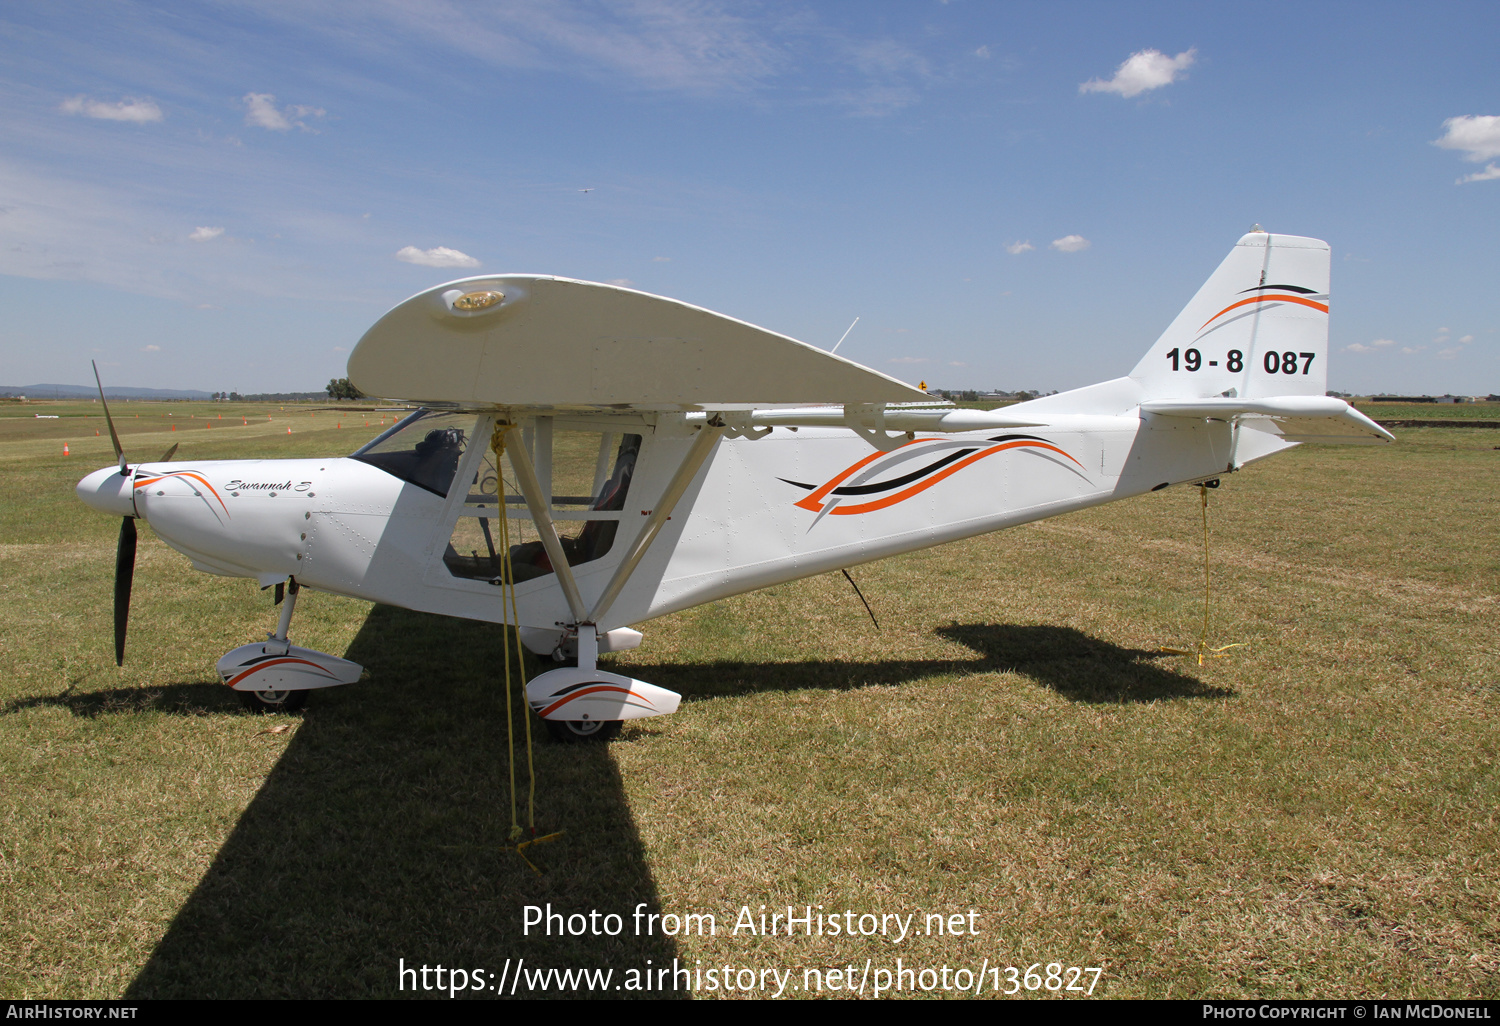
(590, 691)
(277, 662)
(1265, 299)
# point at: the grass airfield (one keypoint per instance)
(1313, 816)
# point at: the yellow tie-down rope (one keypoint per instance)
(1202, 651)
(511, 621)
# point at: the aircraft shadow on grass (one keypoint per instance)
(197, 699)
(381, 835)
(1075, 665)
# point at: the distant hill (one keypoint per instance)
(90, 392)
(115, 392)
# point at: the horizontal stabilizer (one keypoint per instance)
(1296, 418)
(527, 340)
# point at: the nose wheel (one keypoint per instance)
(273, 701)
(571, 731)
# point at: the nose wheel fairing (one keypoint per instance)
(277, 666)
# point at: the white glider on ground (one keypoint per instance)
(627, 456)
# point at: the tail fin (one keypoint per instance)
(1257, 328)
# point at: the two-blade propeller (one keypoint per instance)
(125, 550)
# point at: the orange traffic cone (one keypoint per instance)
(174, 427)
(65, 448)
(288, 430)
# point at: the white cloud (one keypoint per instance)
(260, 111)
(1142, 71)
(150, 349)
(438, 256)
(1465, 340)
(1478, 137)
(624, 283)
(1070, 244)
(661, 260)
(908, 359)
(983, 52)
(1373, 347)
(1017, 248)
(1490, 171)
(1412, 350)
(1448, 354)
(130, 109)
(205, 234)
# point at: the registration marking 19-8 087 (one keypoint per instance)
(1234, 362)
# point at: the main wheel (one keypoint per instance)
(274, 701)
(570, 731)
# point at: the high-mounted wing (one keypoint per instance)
(529, 340)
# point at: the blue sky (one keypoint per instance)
(225, 195)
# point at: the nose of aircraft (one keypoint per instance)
(108, 492)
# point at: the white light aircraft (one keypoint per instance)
(628, 456)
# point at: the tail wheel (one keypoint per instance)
(274, 701)
(573, 731)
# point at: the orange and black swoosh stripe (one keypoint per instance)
(910, 484)
(1278, 297)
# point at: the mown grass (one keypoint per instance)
(1378, 410)
(1313, 816)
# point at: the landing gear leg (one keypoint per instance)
(568, 731)
(278, 701)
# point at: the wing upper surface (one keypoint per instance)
(528, 340)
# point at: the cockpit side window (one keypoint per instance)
(587, 474)
(424, 449)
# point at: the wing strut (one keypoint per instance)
(702, 446)
(531, 489)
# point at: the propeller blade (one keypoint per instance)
(167, 456)
(113, 437)
(124, 574)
